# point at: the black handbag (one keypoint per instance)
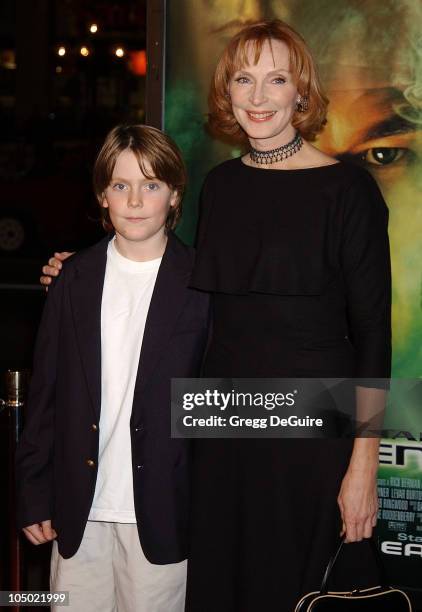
(375, 599)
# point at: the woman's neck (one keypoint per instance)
(274, 142)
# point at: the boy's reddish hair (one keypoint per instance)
(221, 120)
(148, 145)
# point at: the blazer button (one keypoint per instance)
(90, 462)
(94, 427)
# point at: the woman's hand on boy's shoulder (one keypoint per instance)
(40, 533)
(53, 267)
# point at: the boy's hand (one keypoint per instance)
(53, 267)
(40, 533)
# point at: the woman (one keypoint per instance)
(293, 246)
(295, 252)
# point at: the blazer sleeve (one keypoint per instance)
(34, 472)
(365, 256)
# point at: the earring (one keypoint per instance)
(302, 104)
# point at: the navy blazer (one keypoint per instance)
(58, 451)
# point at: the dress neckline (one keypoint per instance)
(288, 170)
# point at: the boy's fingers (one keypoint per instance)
(53, 267)
(48, 531)
(50, 271)
(36, 532)
(30, 537)
(55, 263)
(45, 280)
(63, 255)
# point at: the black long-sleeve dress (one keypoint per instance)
(298, 265)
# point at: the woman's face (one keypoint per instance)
(264, 96)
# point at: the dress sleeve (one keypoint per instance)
(204, 209)
(365, 260)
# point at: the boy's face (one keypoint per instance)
(138, 206)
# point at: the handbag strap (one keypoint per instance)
(332, 561)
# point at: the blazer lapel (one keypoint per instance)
(167, 302)
(86, 292)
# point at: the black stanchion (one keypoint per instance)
(16, 385)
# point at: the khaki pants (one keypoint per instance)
(109, 573)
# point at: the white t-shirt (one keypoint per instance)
(127, 292)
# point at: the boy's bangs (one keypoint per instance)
(142, 161)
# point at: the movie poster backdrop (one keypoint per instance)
(370, 60)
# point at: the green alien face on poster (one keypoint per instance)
(371, 66)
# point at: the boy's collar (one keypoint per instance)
(176, 255)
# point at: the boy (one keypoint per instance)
(96, 466)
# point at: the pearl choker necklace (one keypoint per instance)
(276, 155)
